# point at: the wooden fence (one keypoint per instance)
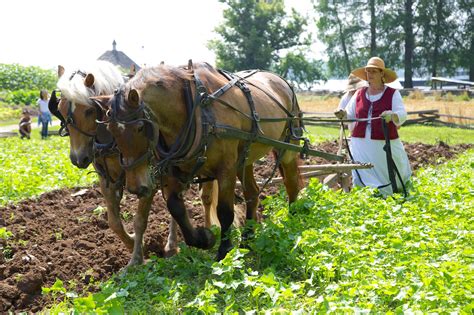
(431, 116)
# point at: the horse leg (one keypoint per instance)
(225, 210)
(113, 194)
(140, 222)
(171, 247)
(209, 194)
(250, 190)
(291, 174)
(196, 237)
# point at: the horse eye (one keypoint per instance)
(89, 112)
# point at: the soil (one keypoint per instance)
(61, 235)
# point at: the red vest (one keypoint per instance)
(378, 107)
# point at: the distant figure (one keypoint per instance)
(25, 124)
(44, 117)
(353, 84)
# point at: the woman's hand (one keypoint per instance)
(388, 115)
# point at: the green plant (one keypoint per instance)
(127, 216)
(5, 234)
(99, 211)
(27, 168)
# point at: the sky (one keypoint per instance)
(48, 33)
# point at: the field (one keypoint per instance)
(340, 253)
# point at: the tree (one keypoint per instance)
(436, 51)
(464, 37)
(409, 43)
(342, 29)
(299, 70)
(254, 34)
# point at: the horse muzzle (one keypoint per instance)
(81, 161)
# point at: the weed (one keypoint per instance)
(5, 234)
(449, 97)
(58, 235)
(416, 95)
(99, 211)
(127, 216)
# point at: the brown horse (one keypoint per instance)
(91, 142)
(202, 123)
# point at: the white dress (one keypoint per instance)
(367, 150)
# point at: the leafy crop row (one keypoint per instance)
(339, 253)
(29, 168)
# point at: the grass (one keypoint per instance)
(433, 135)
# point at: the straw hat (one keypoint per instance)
(376, 62)
(354, 83)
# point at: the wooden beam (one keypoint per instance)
(335, 167)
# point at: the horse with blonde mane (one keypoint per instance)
(202, 123)
(92, 143)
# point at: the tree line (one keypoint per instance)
(421, 37)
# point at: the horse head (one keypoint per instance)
(80, 114)
(136, 134)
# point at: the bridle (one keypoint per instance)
(69, 120)
(141, 114)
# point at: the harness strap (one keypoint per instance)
(228, 132)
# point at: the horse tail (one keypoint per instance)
(209, 197)
(290, 171)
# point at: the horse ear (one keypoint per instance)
(89, 80)
(190, 64)
(133, 71)
(133, 98)
(60, 71)
(162, 62)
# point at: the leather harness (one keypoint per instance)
(193, 140)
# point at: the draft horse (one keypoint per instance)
(92, 143)
(201, 123)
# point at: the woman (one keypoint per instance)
(44, 117)
(368, 141)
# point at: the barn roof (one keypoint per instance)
(118, 58)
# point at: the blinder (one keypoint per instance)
(53, 108)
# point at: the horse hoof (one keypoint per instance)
(206, 238)
(222, 252)
(248, 235)
(170, 252)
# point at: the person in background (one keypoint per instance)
(353, 84)
(25, 124)
(367, 137)
(44, 117)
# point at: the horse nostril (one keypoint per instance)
(86, 161)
